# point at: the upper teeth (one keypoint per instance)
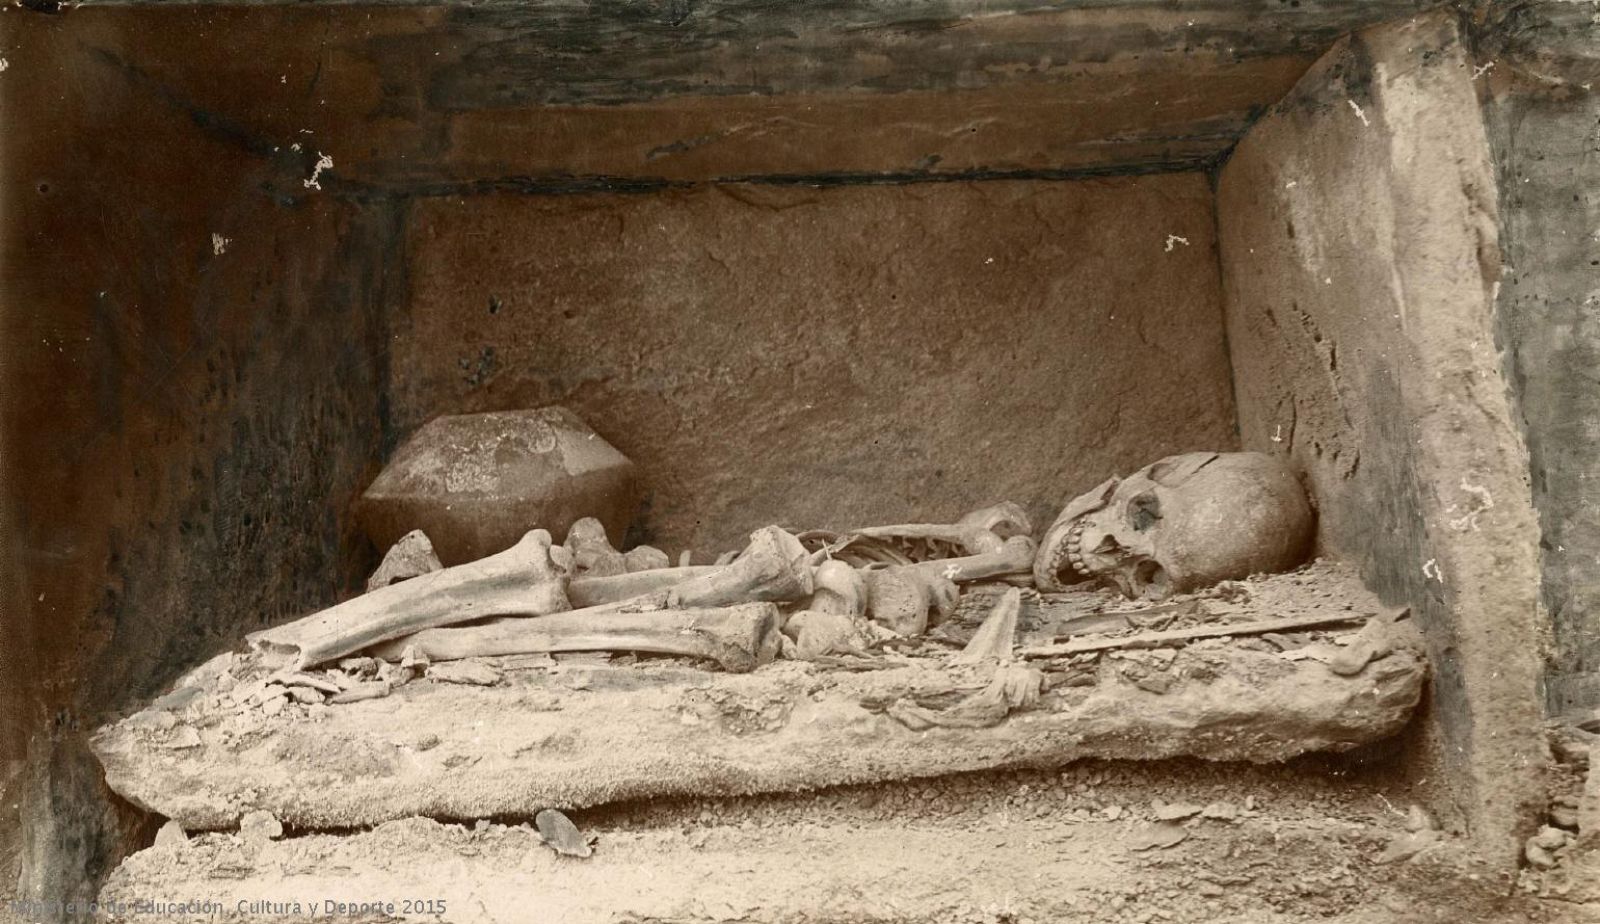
(1074, 549)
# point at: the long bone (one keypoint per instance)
(971, 541)
(526, 580)
(738, 637)
(1014, 556)
(774, 567)
(523, 580)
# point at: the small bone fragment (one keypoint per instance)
(839, 589)
(1175, 811)
(260, 826)
(1162, 834)
(522, 580)
(818, 633)
(1214, 630)
(1371, 643)
(900, 598)
(645, 558)
(179, 699)
(466, 671)
(305, 695)
(738, 637)
(411, 557)
(171, 835)
(185, 737)
(686, 558)
(592, 553)
(374, 690)
(561, 834)
(295, 679)
(997, 636)
(410, 658)
(1013, 687)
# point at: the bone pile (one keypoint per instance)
(805, 597)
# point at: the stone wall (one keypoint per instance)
(832, 357)
(1360, 261)
(1540, 82)
(192, 395)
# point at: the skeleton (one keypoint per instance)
(911, 569)
(833, 620)
(1179, 524)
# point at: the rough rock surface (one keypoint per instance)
(1358, 240)
(833, 357)
(475, 483)
(571, 734)
(1271, 845)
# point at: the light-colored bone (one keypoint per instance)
(738, 637)
(1014, 556)
(998, 634)
(523, 580)
(412, 556)
(645, 558)
(978, 532)
(817, 633)
(592, 553)
(599, 591)
(839, 589)
(908, 599)
(1013, 687)
(773, 568)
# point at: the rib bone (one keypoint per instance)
(522, 580)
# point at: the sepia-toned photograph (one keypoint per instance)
(800, 461)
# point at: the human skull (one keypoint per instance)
(1185, 522)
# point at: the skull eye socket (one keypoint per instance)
(1144, 511)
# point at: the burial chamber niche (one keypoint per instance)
(884, 271)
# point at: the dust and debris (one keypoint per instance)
(1173, 240)
(324, 162)
(1360, 113)
(219, 244)
(5, 65)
